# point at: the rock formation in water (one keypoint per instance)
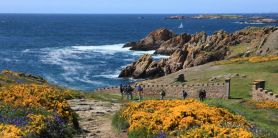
(151, 41)
(192, 50)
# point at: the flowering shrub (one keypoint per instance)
(255, 59)
(10, 131)
(265, 104)
(34, 109)
(183, 116)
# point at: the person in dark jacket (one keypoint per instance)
(122, 91)
(202, 94)
(184, 94)
(129, 92)
(162, 94)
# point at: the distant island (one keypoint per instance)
(254, 19)
(218, 16)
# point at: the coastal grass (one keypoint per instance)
(264, 120)
(119, 123)
(238, 50)
(104, 96)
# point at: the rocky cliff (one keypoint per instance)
(152, 41)
(192, 50)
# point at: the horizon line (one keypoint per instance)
(142, 13)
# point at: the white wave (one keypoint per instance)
(26, 51)
(254, 23)
(160, 56)
(104, 49)
(7, 59)
(140, 53)
(70, 60)
(110, 75)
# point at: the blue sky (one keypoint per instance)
(138, 6)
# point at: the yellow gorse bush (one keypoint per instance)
(37, 96)
(254, 59)
(180, 115)
(265, 104)
(10, 131)
(211, 130)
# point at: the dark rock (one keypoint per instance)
(180, 78)
(129, 44)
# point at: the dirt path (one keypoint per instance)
(95, 118)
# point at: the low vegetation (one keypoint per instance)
(33, 110)
(187, 118)
(261, 115)
(254, 59)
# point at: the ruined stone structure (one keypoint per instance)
(213, 90)
(259, 93)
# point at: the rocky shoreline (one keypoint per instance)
(188, 50)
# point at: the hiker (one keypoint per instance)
(202, 94)
(140, 90)
(129, 92)
(184, 94)
(162, 94)
(122, 91)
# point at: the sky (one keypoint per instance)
(138, 6)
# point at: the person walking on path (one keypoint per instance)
(129, 92)
(162, 94)
(202, 94)
(122, 91)
(140, 91)
(184, 94)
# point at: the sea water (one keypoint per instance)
(85, 52)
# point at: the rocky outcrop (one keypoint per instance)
(137, 69)
(20, 77)
(269, 45)
(171, 45)
(197, 49)
(152, 41)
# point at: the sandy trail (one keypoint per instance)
(95, 118)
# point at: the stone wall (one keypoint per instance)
(260, 94)
(213, 90)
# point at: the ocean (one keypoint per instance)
(85, 52)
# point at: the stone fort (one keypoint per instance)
(213, 90)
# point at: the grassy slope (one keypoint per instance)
(265, 120)
(240, 86)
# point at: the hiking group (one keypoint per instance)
(128, 91)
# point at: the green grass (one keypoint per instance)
(119, 123)
(238, 50)
(104, 96)
(264, 120)
(240, 86)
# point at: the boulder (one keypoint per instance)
(152, 41)
(176, 61)
(137, 69)
(180, 78)
(269, 46)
